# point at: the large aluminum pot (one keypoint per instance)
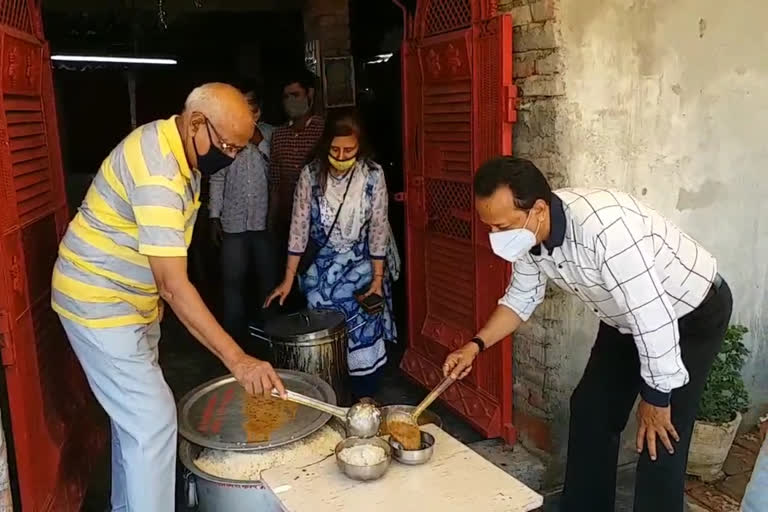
(313, 342)
(213, 494)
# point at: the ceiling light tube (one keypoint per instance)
(114, 60)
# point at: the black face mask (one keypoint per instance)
(214, 160)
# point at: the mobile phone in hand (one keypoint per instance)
(373, 303)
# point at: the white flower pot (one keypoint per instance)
(710, 444)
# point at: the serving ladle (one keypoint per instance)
(363, 419)
(404, 427)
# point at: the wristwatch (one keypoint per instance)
(479, 342)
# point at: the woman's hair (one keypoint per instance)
(340, 123)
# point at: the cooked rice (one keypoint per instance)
(247, 466)
(363, 455)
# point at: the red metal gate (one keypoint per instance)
(459, 106)
(58, 430)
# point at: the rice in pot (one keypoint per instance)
(247, 466)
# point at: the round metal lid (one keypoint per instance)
(305, 325)
(221, 415)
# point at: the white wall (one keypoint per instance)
(668, 100)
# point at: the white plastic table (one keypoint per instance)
(456, 479)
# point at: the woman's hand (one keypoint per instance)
(376, 288)
(281, 292)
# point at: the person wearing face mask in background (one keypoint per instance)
(341, 246)
(124, 251)
(238, 212)
(663, 311)
(292, 145)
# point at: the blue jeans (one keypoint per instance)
(756, 496)
(245, 256)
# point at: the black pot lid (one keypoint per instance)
(305, 325)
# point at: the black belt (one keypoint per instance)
(717, 283)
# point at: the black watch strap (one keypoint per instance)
(479, 342)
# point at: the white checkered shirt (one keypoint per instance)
(632, 267)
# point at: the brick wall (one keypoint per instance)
(328, 21)
(541, 88)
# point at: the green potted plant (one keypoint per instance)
(722, 403)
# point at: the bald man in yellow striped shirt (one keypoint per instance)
(124, 250)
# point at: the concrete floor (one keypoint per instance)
(187, 364)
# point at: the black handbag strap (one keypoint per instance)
(335, 219)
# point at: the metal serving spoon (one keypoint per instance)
(407, 433)
(363, 419)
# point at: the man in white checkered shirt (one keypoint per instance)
(663, 311)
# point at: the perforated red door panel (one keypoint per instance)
(58, 430)
(457, 81)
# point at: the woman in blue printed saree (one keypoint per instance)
(343, 189)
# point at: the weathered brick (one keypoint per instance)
(525, 63)
(507, 5)
(740, 460)
(535, 36)
(734, 486)
(543, 10)
(750, 441)
(534, 431)
(692, 482)
(522, 404)
(520, 15)
(695, 507)
(541, 85)
(549, 64)
(535, 375)
(536, 398)
(714, 499)
(524, 67)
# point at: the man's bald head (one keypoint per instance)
(224, 106)
(227, 112)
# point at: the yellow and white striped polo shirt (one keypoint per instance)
(143, 202)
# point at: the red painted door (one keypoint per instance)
(459, 109)
(57, 428)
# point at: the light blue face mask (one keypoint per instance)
(512, 244)
(296, 108)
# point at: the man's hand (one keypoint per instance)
(654, 422)
(257, 377)
(217, 232)
(458, 364)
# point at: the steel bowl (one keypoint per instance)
(364, 473)
(413, 457)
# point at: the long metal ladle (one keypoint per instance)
(361, 420)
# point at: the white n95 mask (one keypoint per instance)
(512, 244)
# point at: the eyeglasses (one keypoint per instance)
(225, 146)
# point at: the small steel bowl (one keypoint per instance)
(413, 457)
(363, 473)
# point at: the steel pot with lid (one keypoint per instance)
(313, 342)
